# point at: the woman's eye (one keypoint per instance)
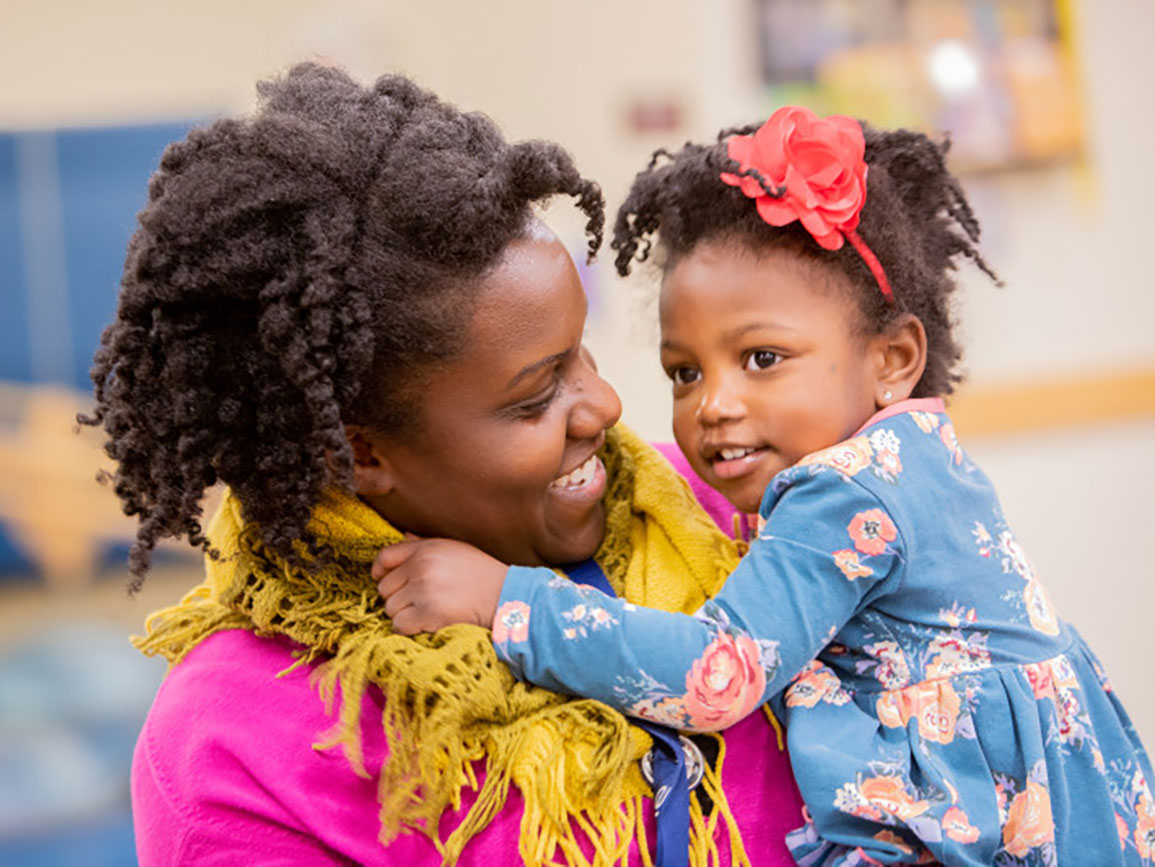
(761, 359)
(534, 408)
(683, 375)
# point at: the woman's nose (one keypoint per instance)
(720, 401)
(597, 406)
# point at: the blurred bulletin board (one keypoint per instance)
(68, 205)
(998, 75)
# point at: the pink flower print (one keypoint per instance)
(850, 457)
(1067, 705)
(725, 683)
(1029, 823)
(1014, 556)
(892, 670)
(1039, 610)
(889, 462)
(982, 539)
(871, 530)
(892, 708)
(511, 623)
(1039, 676)
(669, 711)
(958, 827)
(1145, 828)
(954, 654)
(936, 705)
(926, 421)
(957, 615)
(1001, 800)
(947, 435)
(1123, 831)
(1062, 672)
(890, 838)
(849, 799)
(847, 561)
(813, 684)
(952, 790)
(889, 794)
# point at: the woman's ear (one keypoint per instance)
(902, 359)
(372, 471)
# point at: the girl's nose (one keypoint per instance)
(720, 402)
(597, 406)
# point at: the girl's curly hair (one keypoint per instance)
(916, 220)
(294, 272)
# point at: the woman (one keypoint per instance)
(344, 309)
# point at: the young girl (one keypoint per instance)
(936, 707)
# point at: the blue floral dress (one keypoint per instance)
(936, 707)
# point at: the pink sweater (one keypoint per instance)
(225, 773)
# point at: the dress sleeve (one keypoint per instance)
(828, 548)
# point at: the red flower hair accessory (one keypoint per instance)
(798, 166)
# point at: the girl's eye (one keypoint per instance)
(761, 359)
(683, 375)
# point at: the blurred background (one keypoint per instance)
(1044, 100)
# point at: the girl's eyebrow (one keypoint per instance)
(742, 330)
(736, 333)
(530, 369)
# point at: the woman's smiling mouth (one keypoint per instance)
(586, 483)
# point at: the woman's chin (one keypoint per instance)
(573, 541)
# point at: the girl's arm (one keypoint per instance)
(828, 548)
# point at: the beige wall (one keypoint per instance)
(1072, 243)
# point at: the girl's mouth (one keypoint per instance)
(734, 461)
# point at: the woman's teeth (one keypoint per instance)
(734, 454)
(576, 478)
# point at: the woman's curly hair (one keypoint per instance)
(916, 220)
(294, 272)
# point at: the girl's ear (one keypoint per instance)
(902, 359)
(372, 471)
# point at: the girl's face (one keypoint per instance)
(766, 362)
(504, 457)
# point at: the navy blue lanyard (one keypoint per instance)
(671, 788)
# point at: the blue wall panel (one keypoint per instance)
(14, 361)
(68, 205)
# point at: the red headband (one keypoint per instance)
(798, 166)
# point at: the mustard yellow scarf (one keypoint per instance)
(448, 701)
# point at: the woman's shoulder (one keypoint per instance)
(236, 700)
(229, 678)
(227, 751)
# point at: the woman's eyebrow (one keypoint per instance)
(530, 369)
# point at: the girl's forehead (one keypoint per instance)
(728, 288)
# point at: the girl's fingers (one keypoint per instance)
(391, 584)
(391, 557)
(407, 622)
(397, 601)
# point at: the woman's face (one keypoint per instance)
(504, 457)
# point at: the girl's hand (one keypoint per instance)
(431, 583)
